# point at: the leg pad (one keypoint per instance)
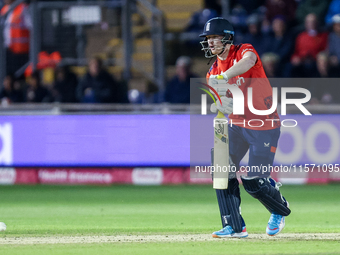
(269, 196)
(229, 201)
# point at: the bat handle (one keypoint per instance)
(220, 115)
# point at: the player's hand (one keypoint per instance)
(222, 76)
(213, 81)
(225, 108)
(221, 91)
(218, 85)
(213, 76)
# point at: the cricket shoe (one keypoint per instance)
(2, 226)
(227, 231)
(276, 223)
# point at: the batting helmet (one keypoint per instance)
(217, 26)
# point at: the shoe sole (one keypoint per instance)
(284, 223)
(241, 235)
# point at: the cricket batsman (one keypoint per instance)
(240, 65)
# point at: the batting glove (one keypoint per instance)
(221, 76)
(225, 108)
(218, 85)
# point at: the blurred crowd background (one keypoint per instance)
(146, 51)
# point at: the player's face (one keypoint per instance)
(215, 44)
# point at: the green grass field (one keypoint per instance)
(53, 212)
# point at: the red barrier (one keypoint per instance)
(139, 176)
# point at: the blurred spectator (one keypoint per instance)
(284, 8)
(199, 18)
(334, 42)
(270, 62)
(65, 85)
(307, 45)
(35, 91)
(266, 27)
(151, 94)
(16, 35)
(178, 88)
(254, 35)
(322, 64)
(333, 9)
(325, 70)
(214, 5)
(238, 18)
(98, 86)
(281, 42)
(249, 6)
(327, 92)
(11, 91)
(319, 8)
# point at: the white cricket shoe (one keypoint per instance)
(227, 231)
(2, 226)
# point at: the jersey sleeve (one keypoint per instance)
(245, 48)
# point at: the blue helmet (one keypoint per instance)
(217, 26)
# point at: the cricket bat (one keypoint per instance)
(221, 152)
